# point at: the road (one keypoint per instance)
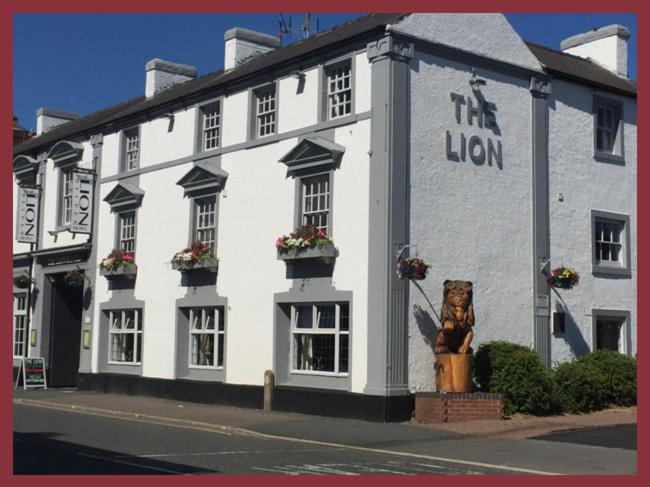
(65, 441)
(61, 442)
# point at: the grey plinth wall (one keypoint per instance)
(389, 176)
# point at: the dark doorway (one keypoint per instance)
(65, 330)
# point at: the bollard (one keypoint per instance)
(269, 384)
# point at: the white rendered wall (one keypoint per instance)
(297, 110)
(159, 144)
(469, 222)
(235, 118)
(585, 185)
(362, 88)
(110, 154)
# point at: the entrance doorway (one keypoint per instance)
(65, 328)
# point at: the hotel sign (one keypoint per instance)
(28, 214)
(82, 201)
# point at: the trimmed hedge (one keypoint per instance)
(518, 374)
(581, 387)
(618, 374)
(589, 383)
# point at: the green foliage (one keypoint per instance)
(618, 374)
(581, 386)
(518, 374)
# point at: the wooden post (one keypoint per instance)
(454, 372)
(269, 385)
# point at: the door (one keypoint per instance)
(65, 331)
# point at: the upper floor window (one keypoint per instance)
(205, 211)
(126, 231)
(608, 129)
(210, 126)
(316, 201)
(611, 253)
(20, 324)
(339, 90)
(265, 111)
(65, 216)
(131, 149)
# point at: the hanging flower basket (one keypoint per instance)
(23, 281)
(413, 269)
(195, 257)
(118, 263)
(73, 278)
(563, 278)
(305, 242)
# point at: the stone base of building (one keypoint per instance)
(304, 400)
(438, 407)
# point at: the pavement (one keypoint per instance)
(509, 445)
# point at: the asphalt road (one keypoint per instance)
(61, 442)
(619, 436)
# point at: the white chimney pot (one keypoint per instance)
(606, 45)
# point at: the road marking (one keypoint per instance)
(213, 453)
(229, 430)
(133, 464)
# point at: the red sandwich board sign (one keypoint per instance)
(33, 373)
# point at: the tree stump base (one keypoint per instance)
(454, 372)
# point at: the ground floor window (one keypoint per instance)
(609, 333)
(20, 324)
(207, 333)
(125, 336)
(320, 338)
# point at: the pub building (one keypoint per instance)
(444, 137)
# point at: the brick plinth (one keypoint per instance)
(438, 407)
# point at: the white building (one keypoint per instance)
(445, 136)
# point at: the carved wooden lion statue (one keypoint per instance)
(457, 317)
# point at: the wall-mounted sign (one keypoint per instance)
(33, 373)
(82, 201)
(28, 213)
(477, 148)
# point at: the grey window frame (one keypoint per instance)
(138, 336)
(328, 176)
(61, 209)
(625, 338)
(219, 337)
(118, 228)
(602, 269)
(294, 330)
(124, 135)
(253, 96)
(194, 214)
(324, 70)
(617, 154)
(23, 313)
(199, 143)
(299, 197)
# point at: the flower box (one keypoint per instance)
(210, 264)
(562, 278)
(127, 270)
(23, 281)
(325, 252)
(412, 269)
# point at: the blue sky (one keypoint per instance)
(85, 62)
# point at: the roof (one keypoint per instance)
(555, 62)
(581, 70)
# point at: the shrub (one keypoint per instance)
(581, 387)
(618, 375)
(517, 373)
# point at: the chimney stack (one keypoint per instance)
(241, 45)
(605, 45)
(161, 75)
(48, 118)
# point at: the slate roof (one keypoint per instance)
(581, 70)
(555, 62)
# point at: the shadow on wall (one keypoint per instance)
(572, 334)
(426, 325)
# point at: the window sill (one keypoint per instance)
(600, 270)
(320, 373)
(609, 158)
(206, 367)
(126, 364)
